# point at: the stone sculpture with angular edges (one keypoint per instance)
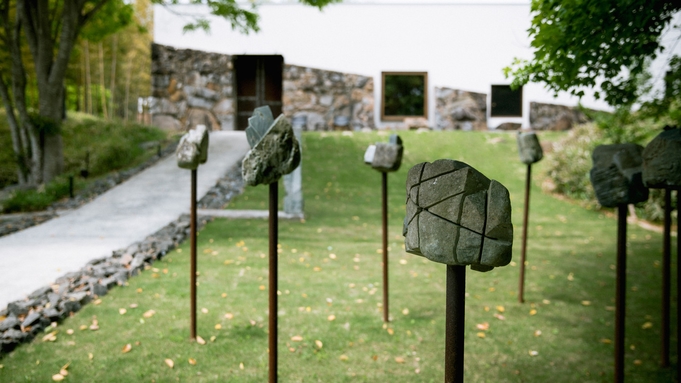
(385, 157)
(457, 216)
(274, 148)
(193, 148)
(529, 149)
(662, 160)
(616, 175)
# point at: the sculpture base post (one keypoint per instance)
(620, 291)
(454, 338)
(385, 245)
(523, 248)
(192, 260)
(678, 278)
(666, 276)
(273, 281)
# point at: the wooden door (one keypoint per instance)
(258, 83)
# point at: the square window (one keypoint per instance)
(404, 94)
(506, 102)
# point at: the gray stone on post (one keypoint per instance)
(385, 157)
(529, 149)
(457, 216)
(293, 182)
(616, 175)
(193, 148)
(662, 160)
(274, 148)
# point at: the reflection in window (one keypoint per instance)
(404, 95)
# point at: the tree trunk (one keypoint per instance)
(88, 79)
(102, 86)
(127, 86)
(113, 75)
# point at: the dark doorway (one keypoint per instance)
(506, 102)
(258, 83)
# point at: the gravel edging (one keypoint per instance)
(10, 223)
(23, 320)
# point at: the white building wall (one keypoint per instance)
(462, 45)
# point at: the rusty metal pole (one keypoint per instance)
(273, 258)
(455, 323)
(678, 284)
(523, 248)
(192, 261)
(620, 291)
(666, 276)
(385, 247)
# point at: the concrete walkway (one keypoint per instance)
(128, 213)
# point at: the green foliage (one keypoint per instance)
(37, 200)
(113, 16)
(45, 125)
(579, 43)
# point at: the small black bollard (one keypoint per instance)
(70, 186)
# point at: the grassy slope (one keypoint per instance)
(571, 258)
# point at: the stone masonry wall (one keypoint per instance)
(460, 110)
(554, 117)
(191, 87)
(322, 96)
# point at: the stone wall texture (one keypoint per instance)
(554, 117)
(191, 87)
(323, 96)
(460, 110)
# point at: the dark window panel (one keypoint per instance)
(506, 102)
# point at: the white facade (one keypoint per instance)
(462, 45)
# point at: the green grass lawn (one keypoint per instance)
(330, 307)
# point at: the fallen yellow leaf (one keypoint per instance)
(170, 363)
(204, 310)
(241, 366)
(229, 315)
(90, 356)
(647, 325)
(318, 343)
(533, 312)
(343, 357)
(83, 327)
(637, 362)
(482, 326)
(499, 316)
(586, 303)
(122, 311)
(97, 302)
(51, 337)
(58, 377)
(69, 331)
(537, 333)
(331, 317)
(126, 348)
(200, 340)
(192, 361)
(606, 341)
(218, 326)
(296, 338)
(481, 334)
(501, 309)
(405, 311)
(149, 314)
(533, 353)
(399, 359)
(224, 295)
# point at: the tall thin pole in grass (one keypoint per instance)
(523, 246)
(273, 282)
(678, 278)
(455, 323)
(192, 260)
(620, 291)
(530, 151)
(666, 276)
(384, 194)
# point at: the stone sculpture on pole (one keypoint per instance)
(616, 179)
(530, 151)
(459, 217)
(662, 170)
(274, 152)
(192, 151)
(385, 157)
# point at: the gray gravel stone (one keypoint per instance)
(616, 175)
(9, 323)
(31, 319)
(662, 160)
(457, 216)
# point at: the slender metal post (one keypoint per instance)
(273, 258)
(678, 282)
(523, 248)
(385, 247)
(454, 338)
(666, 276)
(192, 261)
(620, 291)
